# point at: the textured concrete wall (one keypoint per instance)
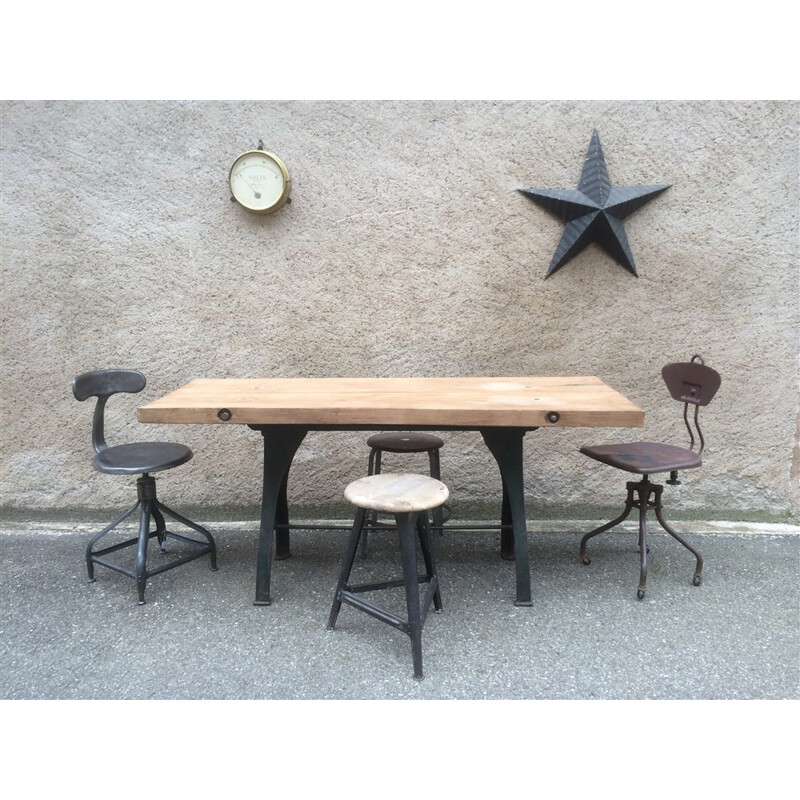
(406, 251)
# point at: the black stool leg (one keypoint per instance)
(373, 468)
(347, 566)
(159, 506)
(140, 566)
(146, 489)
(406, 525)
(437, 513)
(430, 561)
(99, 536)
(644, 497)
(161, 526)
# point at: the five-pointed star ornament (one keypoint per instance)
(594, 211)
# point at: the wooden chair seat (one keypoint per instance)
(644, 458)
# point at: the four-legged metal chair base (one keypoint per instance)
(151, 507)
(639, 493)
(407, 525)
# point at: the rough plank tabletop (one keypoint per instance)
(573, 401)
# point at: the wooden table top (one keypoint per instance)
(466, 402)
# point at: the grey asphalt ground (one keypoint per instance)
(199, 636)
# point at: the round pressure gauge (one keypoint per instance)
(259, 181)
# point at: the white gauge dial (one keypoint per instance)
(259, 181)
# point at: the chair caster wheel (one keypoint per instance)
(640, 593)
(696, 580)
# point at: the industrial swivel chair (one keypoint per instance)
(693, 384)
(140, 458)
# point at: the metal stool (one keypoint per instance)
(408, 497)
(402, 442)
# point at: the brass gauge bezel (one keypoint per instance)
(243, 197)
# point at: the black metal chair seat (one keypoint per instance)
(141, 457)
(644, 458)
(693, 384)
(137, 458)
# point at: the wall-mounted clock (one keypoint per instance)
(259, 181)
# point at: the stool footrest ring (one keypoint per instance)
(348, 595)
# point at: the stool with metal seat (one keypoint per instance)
(408, 497)
(693, 384)
(139, 458)
(402, 442)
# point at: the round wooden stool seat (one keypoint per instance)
(401, 442)
(397, 493)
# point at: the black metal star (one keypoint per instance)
(594, 211)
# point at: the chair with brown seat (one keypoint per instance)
(137, 458)
(693, 384)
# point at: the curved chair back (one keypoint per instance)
(692, 383)
(102, 384)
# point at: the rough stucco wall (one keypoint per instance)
(406, 251)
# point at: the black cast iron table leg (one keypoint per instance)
(506, 533)
(280, 445)
(282, 518)
(505, 444)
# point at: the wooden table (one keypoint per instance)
(284, 410)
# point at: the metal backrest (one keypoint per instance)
(102, 384)
(693, 383)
